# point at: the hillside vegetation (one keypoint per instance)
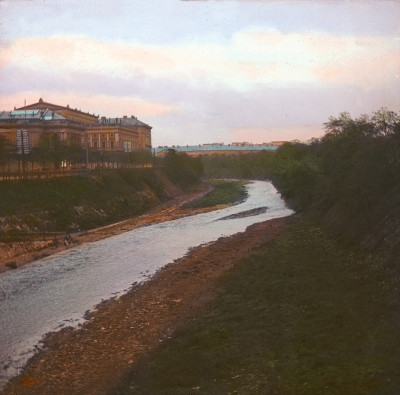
(303, 315)
(249, 166)
(309, 312)
(349, 180)
(60, 204)
(77, 203)
(223, 192)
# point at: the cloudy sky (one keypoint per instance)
(204, 71)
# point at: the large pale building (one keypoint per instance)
(76, 127)
(120, 134)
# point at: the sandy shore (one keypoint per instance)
(94, 358)
(20, 254)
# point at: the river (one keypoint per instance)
(55, 292)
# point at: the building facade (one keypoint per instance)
(120, 134)
(216, 149)
(75, 127)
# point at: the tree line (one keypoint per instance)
(52, 152)
(181, 168)
(349, 179)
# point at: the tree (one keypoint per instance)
(182, 168)
(50, 149)
(5, 152)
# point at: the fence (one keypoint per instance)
(85, 172)
(8, 237)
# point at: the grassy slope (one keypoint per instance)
(52, 204)
(79, 202)
(224, 192)
(303, 316)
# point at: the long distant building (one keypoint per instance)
(216, 149)
(74, 126)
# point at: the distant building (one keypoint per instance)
(76, 127)
(241, 144)
(277, 143)
(215, 149)
(120, 134)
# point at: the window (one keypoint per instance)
(103, 144)
(94, 144)
(112, 144)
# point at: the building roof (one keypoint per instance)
(49, 112)
(217, 147)
(29, 115)
(41, 105)
(124, 121)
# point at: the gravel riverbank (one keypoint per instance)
(94, 358)
(19, 254)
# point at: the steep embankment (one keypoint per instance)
(303, 314)
(29, 210)
(62, 204)
(348, 180)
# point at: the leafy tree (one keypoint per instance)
(350, 178)
(5, 151)
(49, 149)
(182, 168)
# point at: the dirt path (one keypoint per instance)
(19, 254)
(94, 358)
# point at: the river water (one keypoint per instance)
(56, 291)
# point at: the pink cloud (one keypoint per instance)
(252, 57)
(264, 135)
(6, 56)
(100, 105)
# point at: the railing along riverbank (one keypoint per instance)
(85, 172)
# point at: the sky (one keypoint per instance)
(203, 71)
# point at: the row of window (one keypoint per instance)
(103, 144)
(128, 145)
(103, 135)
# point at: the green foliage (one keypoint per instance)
(303, 316)
(82, 202)
(224, 192)
(249, 166)
(3, 148)
(182, 169)
(49, 149)
(349, 178)
(6, 151)
(296, 171)
(136, 157)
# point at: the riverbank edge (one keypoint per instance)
(168, 211)
(94, 358)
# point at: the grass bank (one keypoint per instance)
(78, 202)
(224, 192)
(304, 315)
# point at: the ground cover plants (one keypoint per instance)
(58, 204)
(348, 179)
(223, 192)
(317, 311)
(304, 315)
